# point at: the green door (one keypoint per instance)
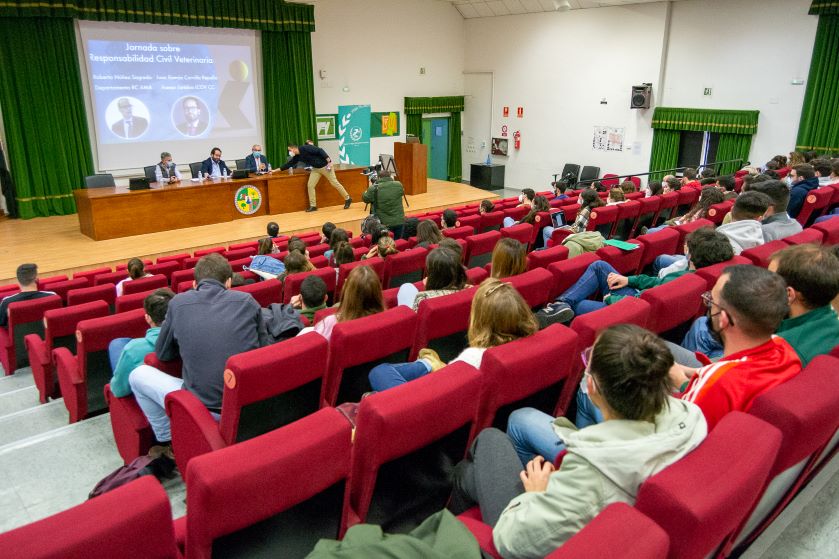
(435, 134)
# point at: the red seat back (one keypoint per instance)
(124, 265)
(247, 244)
(226, 489)
(355, 344)
(624, 261)
(292, 283)
(104, 292)
(716, 213)
(668, 204)
(655, 244)
(524, 367)
(459, 232)
(830, 228)
(473, 221)
(344, 270)
(131, 302)
(687, 229)
(429, 408)
(90, 274)
(479, 248)
(406, 267)
(111, 278)
(674, 302)
(61, 288)
(712, 273)
(521, 232)
(265, 292)
(811, 235)
(166, 268)
(814, 204)
(602, 219)
(628, 213)
(442, 323)
(134, 520)
(492, 220)
(566, 272)
(179, 258)
(24, 317)
(543, 258)
(534, 286)
(760, 255)
(205, 251)
(145, 284)
(671, 497)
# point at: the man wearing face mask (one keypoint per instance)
(256, 162)
(745, 307)
(802, 179)
(166, 171)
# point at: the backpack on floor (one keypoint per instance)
(160, 467)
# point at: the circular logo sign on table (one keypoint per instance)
(248, 200)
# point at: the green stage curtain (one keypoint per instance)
(819, 127)
(44, 113)
(824, 7)
(733, 146)
(238, 14)
(705, 120)
(415, 107)
(289, 91)
(455, 165)
(665, 152)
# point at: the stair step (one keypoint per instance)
(18, 400)
(39, 420)
(21, 379)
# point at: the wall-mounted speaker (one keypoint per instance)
(641, 96)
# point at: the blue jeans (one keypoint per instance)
(699, 339)
(115, 350)
(592, 281)
(665, 260)
(388, 375)
(587, 412)
(547, 231)
(533, 435)
(656, 229)
(828, 216)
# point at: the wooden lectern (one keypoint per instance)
(411, 166)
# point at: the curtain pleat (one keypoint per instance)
(289, 91)
(705, 120)
(665, 152)
(455, 165)
(44, 114)
(819, 126)
(733, 146)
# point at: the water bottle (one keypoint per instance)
(224, 173)
(290, 171)
(489, 159)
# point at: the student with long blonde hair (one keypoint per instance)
(499, 315)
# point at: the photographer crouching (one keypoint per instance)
(385, 197)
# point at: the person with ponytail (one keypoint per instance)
(136, 270)
(535, 510)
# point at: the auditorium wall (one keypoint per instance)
(376, 48)
(558, 66)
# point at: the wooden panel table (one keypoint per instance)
(110, 213)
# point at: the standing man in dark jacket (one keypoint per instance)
(321, 165)
(802, 179)
(386, 199)
(203, 327)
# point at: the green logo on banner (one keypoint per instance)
(354, 134)
(248, 200)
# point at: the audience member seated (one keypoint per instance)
(795, 158)
(410, 228)
(312, 297)
(628, 187)
(136, 270)
(540, 204)
(449, 219)
(27, 280)
(361, 296)
(776, 224)
(745, 308)
(445, 274)
(344, 254)
(452, 245)
(811, 274)
(704, 247)
(326, 232)
(127, 354)
(296, 245)
(273, 229)
(644, 430)
(509, 258)
(499, 315)
(707, 198)
(707, 173)
(526, 197)
(823, 170)
(588, 201)
(616, 196)
(295, 263)
(559, 188)
(745, 231)
(428, 233)
(384, 247)
(203, 326)
(487, 206)
(653, 188)
(801, 179)
(726, 184)
(671, 184)
(266, 246)
(689, 178)
(336, 237)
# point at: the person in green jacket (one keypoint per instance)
(386, 199)
(704, 247)
(812, 276)
(135, 351)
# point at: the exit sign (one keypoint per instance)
(707, 91)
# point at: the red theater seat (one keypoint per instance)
(24, 317)
(61, 288)
(145, 284)
(566, 272)
(292, 283)
(59, 331)
(442, 323)
(761, 255)
(480, 247)
(134, 520)
(406, 267)
(534, 286)
(543, 258)
(675, 302)
(344, 270)
(104, 292)
(265, 292)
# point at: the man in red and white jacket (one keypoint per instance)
(744, 309)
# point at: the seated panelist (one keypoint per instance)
(166, 171)
(256, 162)
(214, 166)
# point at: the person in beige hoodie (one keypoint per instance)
(535, 511)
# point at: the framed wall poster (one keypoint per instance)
(384, 124)
(499, 146)
(325, 126)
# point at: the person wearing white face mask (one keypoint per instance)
(802, 179)
(257, 162)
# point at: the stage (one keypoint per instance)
(58, 246)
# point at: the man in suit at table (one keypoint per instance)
(214, 166)
(130, 126)
(256, 162)
(166, 171)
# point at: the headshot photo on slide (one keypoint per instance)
(127, 117)
(190, 116)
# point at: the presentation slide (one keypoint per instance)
(154, 88)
